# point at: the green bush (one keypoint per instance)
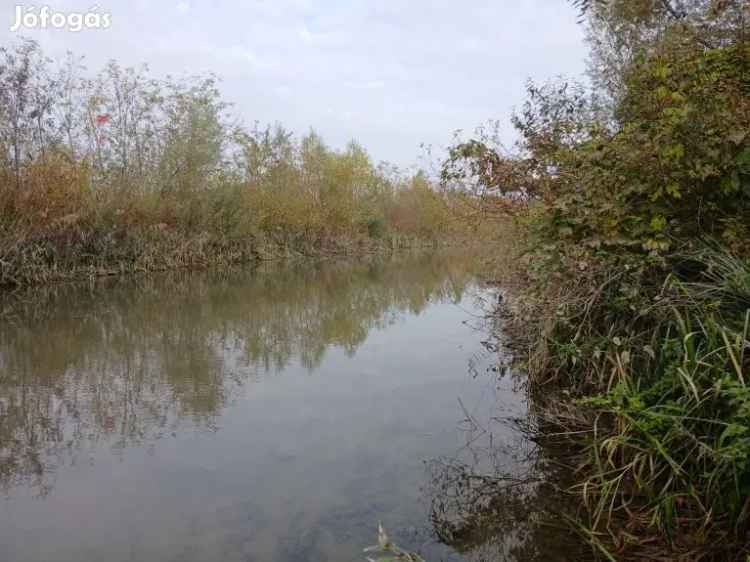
(636, 200)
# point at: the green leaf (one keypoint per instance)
(658, 223)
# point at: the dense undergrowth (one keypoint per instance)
(634, 199)
(119, 171)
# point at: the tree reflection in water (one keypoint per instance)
(504, 498)
(124, 364)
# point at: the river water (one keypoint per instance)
(275, 414)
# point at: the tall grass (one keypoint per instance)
(664, 408)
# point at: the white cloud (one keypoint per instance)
(366, 85)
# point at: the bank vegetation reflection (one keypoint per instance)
(127, 363)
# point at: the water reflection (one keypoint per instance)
(501, 515)
(502, 495)
(274, 414)
(124, 364)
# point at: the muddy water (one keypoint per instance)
(274, 414)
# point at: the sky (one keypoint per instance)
(392, 74)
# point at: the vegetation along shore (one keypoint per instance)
(630, 198)
(119, 171)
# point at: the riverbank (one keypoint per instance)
(125, 171)
(640, 403)
(633, 300)
(76, 254)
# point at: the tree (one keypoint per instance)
(193, 135)
(619, 31)
(27, 93)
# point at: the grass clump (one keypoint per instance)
(669, 448)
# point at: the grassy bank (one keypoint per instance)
(117, 170)
(633, 299)
(76, 248)
(645, 400)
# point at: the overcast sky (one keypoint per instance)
(390, 73)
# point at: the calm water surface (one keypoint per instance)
(275, 414)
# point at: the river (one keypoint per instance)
(270, 414)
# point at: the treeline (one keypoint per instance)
(119, 170)
(634, 196)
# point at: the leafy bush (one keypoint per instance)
(635, 198)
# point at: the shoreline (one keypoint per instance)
(198, 253)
